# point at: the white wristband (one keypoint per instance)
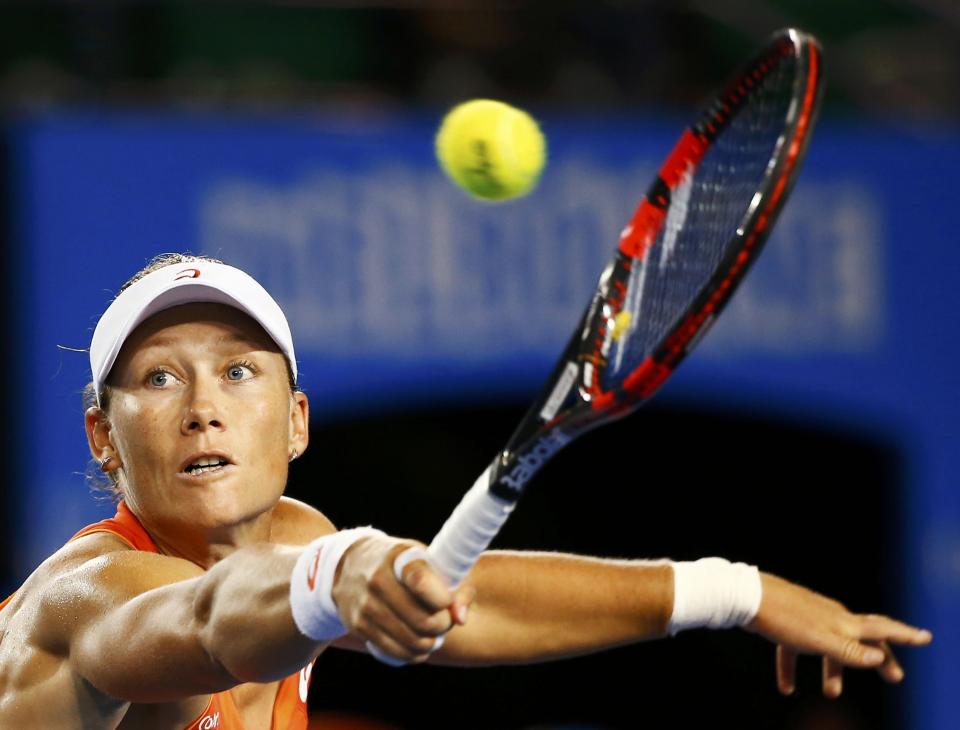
(714, 593)
(311, 584)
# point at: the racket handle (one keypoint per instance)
(468, 531)
(454, 551)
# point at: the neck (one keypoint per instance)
(202, 546)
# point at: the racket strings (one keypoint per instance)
(706, 208)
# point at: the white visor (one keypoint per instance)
(186, 283)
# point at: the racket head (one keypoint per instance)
(688, 245)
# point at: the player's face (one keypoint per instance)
(202, 418)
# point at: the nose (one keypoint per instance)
(201, 413)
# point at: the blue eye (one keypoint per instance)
(237, 371)
(159, 378)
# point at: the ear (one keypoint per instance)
(299, 423)
(98, 433)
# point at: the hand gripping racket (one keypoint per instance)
(688, 245)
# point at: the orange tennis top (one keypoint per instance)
(221, 713)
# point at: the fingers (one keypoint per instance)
(424, 610)
(890, 670)
(430, 591)
(421, 620)
(866, 645)
(848, 651)
(399, 616)
(426, 586)
(462, 601)
(411, 609)
(801, 621)
(832, 678)
(419, 603)
(786, 670)
(882, 628)
(381, 627)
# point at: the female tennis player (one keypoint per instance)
(204, 602)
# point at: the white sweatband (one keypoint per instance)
(714, 593)
(311, 584)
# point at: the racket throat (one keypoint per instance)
(517, 469)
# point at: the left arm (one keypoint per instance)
(528, 607)
(540, 606)
(533, 607)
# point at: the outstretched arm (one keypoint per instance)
(533, 607)
(528, 607)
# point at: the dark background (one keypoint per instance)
(888, 58)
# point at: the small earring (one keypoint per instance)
(103, 463)
(294, 455)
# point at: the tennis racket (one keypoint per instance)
(688, 245)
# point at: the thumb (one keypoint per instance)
(426, 585)
(462, 600)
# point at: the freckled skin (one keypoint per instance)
(173, 395)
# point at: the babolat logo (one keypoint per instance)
(528, 464)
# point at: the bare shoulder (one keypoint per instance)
(297, 523)
(80, 582)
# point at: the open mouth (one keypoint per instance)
(206, 466)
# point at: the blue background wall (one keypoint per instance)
(402, 290)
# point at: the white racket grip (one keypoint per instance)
(468, 531)
(464, 536)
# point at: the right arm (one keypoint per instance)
(143, 627)
(149, 628)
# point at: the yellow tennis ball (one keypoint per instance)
(490, 149)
